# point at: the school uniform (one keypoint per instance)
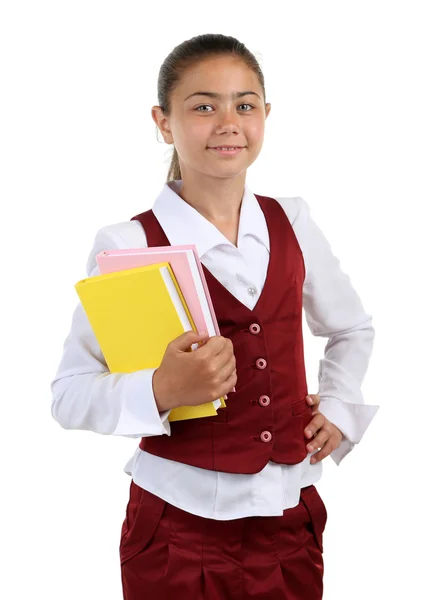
(226, 506)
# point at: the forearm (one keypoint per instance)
(109, 403)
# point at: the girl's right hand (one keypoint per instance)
(191, 378)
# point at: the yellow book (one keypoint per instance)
(134, 315)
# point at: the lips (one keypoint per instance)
(225, 151)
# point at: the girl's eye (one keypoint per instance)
(203, 105)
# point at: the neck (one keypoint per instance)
(218, 200)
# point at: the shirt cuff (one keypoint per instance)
(139, 415)
(352, 420)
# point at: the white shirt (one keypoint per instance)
(85, 395)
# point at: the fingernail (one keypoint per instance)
(313, 460)
(310, 447)
(308, 433)
(310, 400)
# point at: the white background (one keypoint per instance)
(79, 150)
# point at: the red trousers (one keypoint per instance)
(169, 554)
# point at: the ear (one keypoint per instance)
(267, 109)
(162, 122)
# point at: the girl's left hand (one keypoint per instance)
(327, 436)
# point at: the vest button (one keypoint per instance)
(261, 363)
(264, 400)
(266, 436)
(254, 328)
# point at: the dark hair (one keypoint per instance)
(189, 53)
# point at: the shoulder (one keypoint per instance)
(298, 213)
(116, 236)
(295, 207)
(121, 235)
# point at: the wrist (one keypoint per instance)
(160, 394)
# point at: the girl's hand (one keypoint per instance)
(326, 435)
(190, 378)
(313, 399)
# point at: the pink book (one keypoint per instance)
(187, 268)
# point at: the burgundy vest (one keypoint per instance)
(265, 418)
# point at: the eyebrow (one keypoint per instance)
(215, 95)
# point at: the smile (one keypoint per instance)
(227, 151)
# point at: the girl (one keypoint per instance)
(225, 507)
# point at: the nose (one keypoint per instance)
(228, 122)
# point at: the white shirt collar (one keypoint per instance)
(183, 224)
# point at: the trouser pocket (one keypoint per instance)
(143, 514)
(317, 512)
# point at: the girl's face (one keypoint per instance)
(216, 118)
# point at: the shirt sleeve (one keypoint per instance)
(334, 310)
(86, 396)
